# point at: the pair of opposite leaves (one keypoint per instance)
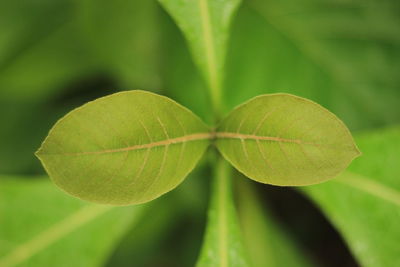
(134, 146)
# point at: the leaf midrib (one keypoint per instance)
(165, 142)
(209, 50)
(189, 138)
(370, 186)
(231, 135)
(241, 137)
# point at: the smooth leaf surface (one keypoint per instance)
(267, 242)
(205, 23)
(41, 226)
(282, 139)
(125, 148)
(363, 203)
(223, 244)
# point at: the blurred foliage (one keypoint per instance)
(56, 55)
(364, 201)
(342, 54)
(53, 227)
(267, 242)
(179, 220)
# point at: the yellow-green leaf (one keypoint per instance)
(125, 148)
(285, 140)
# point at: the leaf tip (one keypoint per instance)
(357, 151)
(37, 153)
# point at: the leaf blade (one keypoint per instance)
(282, 139)
(144, 135)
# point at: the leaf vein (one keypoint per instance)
(170, 141)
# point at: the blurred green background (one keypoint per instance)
(57, 55)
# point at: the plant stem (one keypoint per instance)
(222, 186)
(219, 235)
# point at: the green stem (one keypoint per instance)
(222, 196)
(215, 251)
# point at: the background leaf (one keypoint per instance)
(51, 228)
(282, 139)
(205, 24)
(176, 218)
(267, 242)
(126, 43)
(181, 79)
(138, 146)
(35, 72)
(341, 54)
(363, 203)
(222, 245)
(25, 22)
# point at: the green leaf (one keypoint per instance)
(26, 126)
(267, 243)
(205, 24)
(41, 226)
(126, 148)
(127, 43)
(282, 139)
(342, 54)
(63, 57)
(24, 23)
(364, 202)
(143, 244)
(222, 245)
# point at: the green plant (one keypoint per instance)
(342, 54)
(132, 147)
